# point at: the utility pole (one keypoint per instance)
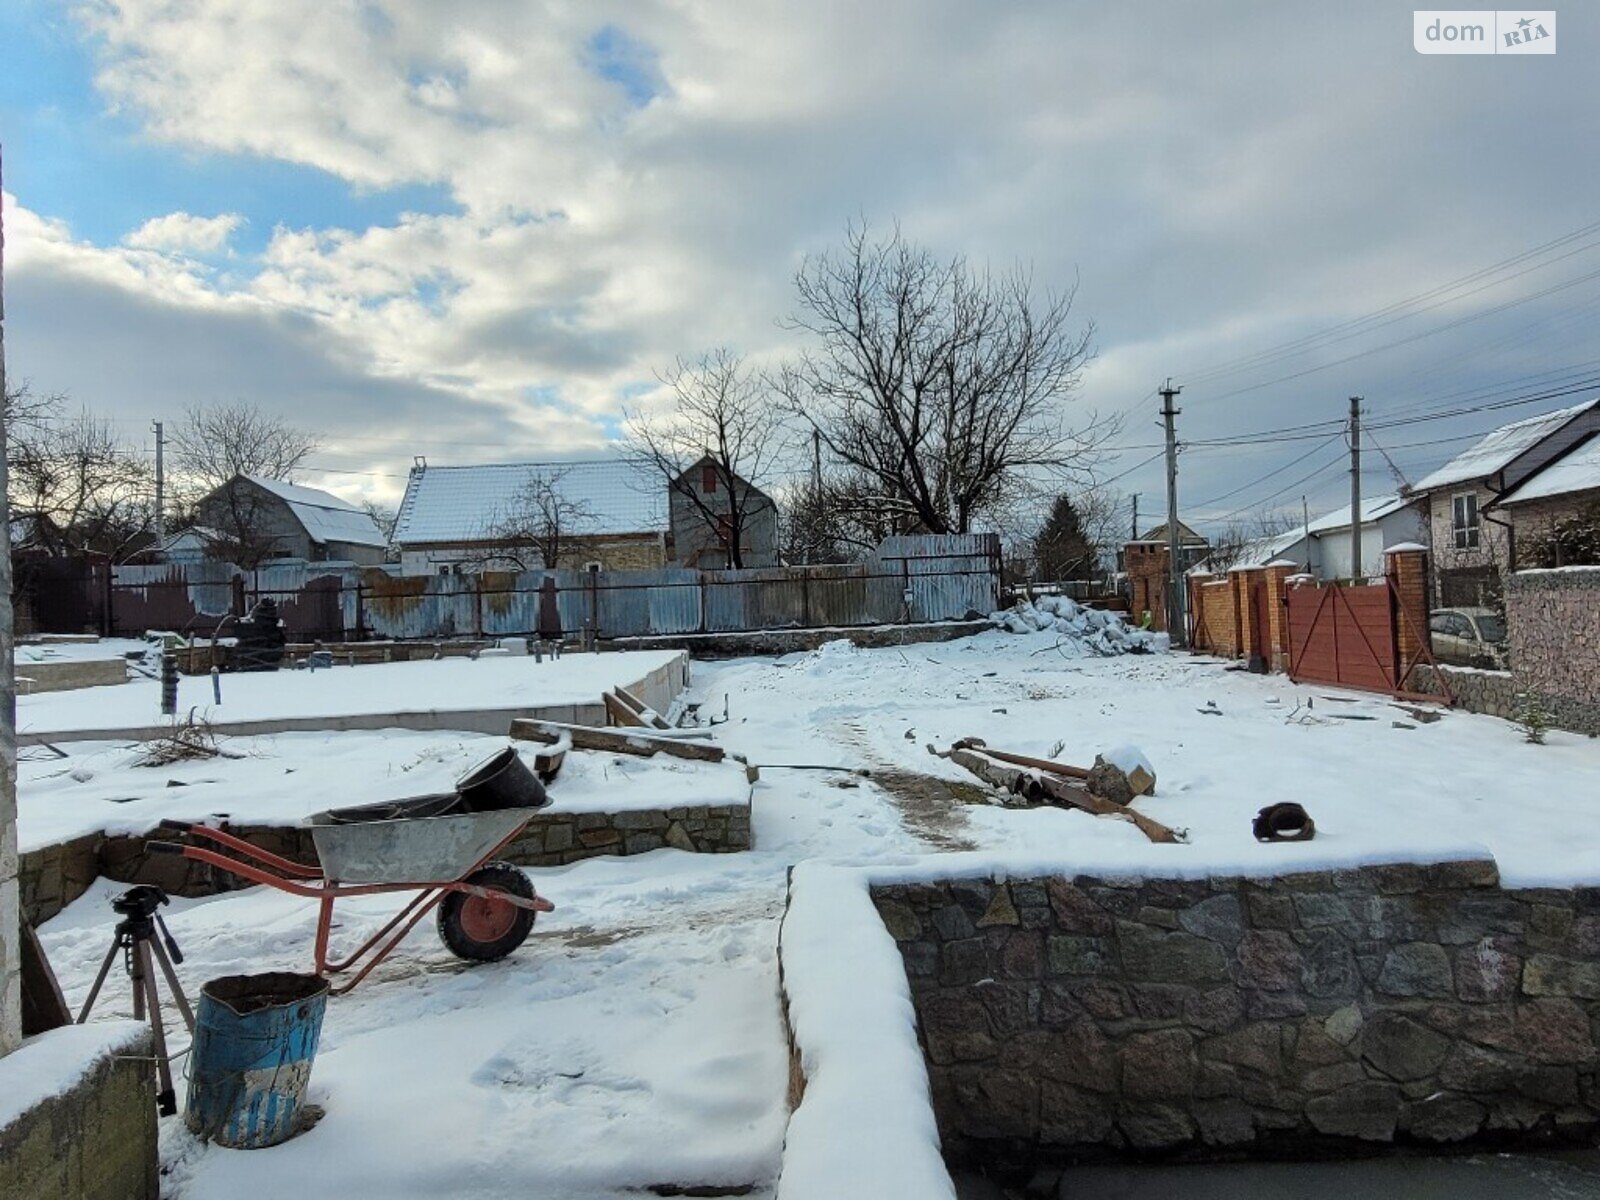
(161, 493)
(1355, 488)
(1305, 525)
(1177, 627)
(816, 493)
(1136, 516)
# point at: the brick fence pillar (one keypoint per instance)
(1407, 569)
(1278, 615)
(1146, 564)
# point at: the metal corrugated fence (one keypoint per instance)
(909, 579)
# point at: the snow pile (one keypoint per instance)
(830, 656)
(1091, 630)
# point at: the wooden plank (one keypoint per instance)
(590, 737)
(1037, 785)
(646, 714)
(618, 712)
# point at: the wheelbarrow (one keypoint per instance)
(443, 847)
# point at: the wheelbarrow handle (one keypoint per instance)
(168, 825)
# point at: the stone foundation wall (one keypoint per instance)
(54, 876)
(1493, 693)
(69, 674)
(1066, 1019)
(95, 1141)
(1553, 619)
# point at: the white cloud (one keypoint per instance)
(1207, 210)
(185, 233)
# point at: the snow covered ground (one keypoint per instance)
(37, 652)
(278, 779)
(636, 1039)
(446, 685)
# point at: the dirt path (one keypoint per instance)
(932, 809)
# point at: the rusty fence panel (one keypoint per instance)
(942, 578)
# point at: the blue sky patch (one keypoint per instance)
(632, 65)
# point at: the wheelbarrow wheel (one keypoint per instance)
(487, 929)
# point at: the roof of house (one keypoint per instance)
(1373, 508)
(1257, 552)
(464, 504)
(1186, 536)
(1578, 470)
(326, 518)
(1497, 448)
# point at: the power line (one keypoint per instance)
(1263, 478)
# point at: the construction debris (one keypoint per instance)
(1285, 822)
(1045, 785)
(592, 737)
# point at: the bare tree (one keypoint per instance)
(542, 517)
(937, 387)
(1247, 538)
(213, 444)
(715, 449)
(211, 447)
(73, 480)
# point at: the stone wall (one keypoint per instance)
(790, 641)
(1065, 1019)
(1493, 693)
(94, 1141)
(54, 876)
(1553, 619)
(69, 674)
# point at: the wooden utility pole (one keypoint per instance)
(1135, 534)
(1355, 488)
(1177, 627)
(10, 964)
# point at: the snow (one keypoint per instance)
(326, 518)
(53, 1063)
(1399, 547)
(103, 648)
(1499, 447)
(637, 1039)
(444, 685)
(282, 778)
(462, 504)
(1080, 629)
(1578, 470)
(1373, 508)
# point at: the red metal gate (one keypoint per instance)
(1344, 635)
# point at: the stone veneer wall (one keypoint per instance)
(1553, 619)
(54, 876)
(1493, 693)
(1078, 1018)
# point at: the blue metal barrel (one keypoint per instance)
(254, 1039)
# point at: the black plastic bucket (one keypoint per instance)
(501, 781)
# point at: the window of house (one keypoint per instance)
(708, 478)
(1465, 520)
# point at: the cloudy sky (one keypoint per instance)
(474, 231)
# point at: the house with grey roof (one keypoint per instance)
(612, 512)
(1469, 501)
(251, 520)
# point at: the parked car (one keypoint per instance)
(1469, 637)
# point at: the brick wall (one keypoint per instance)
(1553, 619)
(1072, 1018)
(1278, 616)
(1146, 566)
(1407, 571)
(1222, 616)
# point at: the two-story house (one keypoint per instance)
(1471, 531)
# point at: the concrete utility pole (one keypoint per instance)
(10, 937)
(1355, 488)
(161, 491)
(1177, 626)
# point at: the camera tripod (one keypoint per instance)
(136, 938)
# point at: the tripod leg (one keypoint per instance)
(100, 979)
(166, 1098)
(136, 976)
(173, 985)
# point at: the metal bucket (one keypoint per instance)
(254, 1039)
(501, 781)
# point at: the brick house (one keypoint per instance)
(454, 519)
(1471, 537)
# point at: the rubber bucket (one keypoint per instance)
(501, 781)
(254, 1039)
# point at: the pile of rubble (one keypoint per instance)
(1090, 630)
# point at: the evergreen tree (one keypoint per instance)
(1062, 549)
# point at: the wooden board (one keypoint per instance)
(590, 737)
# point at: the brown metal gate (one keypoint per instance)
(1344, 635)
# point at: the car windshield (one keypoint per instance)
(1491, 628)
